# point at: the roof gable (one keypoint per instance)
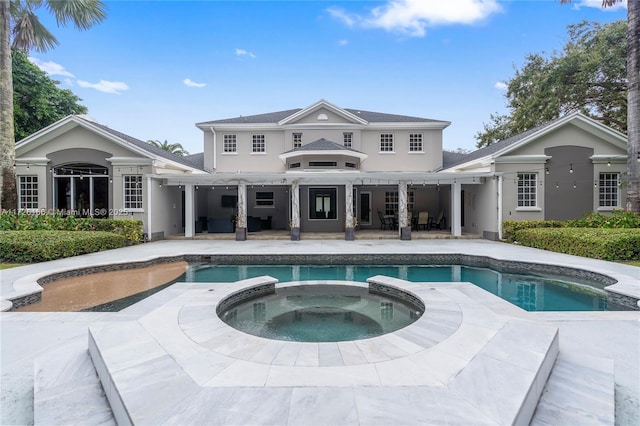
(130, 143)
(503, 147)
(321, 112)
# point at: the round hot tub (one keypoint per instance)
(321, 312)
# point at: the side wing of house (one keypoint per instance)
(79, 167)
(572, 169)
(558, 171)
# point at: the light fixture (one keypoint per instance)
(213, 187)
(570, 168)
(574, 185)
(546, 170)
(609, 163)
(160, 185)
(27, 166)
(595, 183)
(197, 187)
(639, 157)
(557, 186)
(179, 185)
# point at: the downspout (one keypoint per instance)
(499, 207)
(215, 146)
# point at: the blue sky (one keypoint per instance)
(153, 69)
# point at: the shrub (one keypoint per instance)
(23, 221)
(597, 243)
(42, 245)
(510, 227)
(617, 219)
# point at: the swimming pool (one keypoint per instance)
(532, 292)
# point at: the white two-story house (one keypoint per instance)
(323, 168)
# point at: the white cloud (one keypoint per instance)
(241, 53)
(190, 83)
(598, 5)
(412, 17)
(500, 85)
(115, 87)
(343, 42)
(50, 67)
(341, 15)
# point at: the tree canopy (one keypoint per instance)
(38, 101)
(588, 75)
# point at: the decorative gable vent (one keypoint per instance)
(322, 117)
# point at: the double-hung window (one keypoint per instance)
(386, 142)
(28, 192)
(229, 144)
(258, 144)
(297, 140)
(347, 139)
(391, 199)
(415, 142)
(609, 190)
(264, 199)
(132, 192)
(527, 189)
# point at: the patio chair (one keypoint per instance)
(440, 222)
(386, 222)
(423, 221)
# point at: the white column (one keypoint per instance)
(456, 213)
(241, 218)
(499, 207)
(402, 205)
(348, 204)
(189, 216)
(148, 206)
(295, 205)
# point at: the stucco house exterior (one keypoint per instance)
(323, 168)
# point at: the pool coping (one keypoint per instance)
(621, 288)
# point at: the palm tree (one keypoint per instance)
(174, 148)
(18, 18)
(633, 101)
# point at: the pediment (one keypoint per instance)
(323, 113)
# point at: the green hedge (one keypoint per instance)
(43, 245)
(22, 221)
(597, 243)
(510, 227)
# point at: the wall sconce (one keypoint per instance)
(609, 163)
(546, 170)
(570, 168)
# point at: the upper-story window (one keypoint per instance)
(259, 144)
(386, 142)
(415, 142)
(28, 192)
(229, 144)
(609, 190)
(297, 140)
(527, 189)
(347, 139)
(132, 192)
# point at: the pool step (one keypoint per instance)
(580, 390)
(66, 388)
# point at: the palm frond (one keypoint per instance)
(29, 33)
(83, 14)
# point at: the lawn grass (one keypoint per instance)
(10, 265)
(631, 262)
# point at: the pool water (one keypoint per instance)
(320, 313)
(530, 292)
